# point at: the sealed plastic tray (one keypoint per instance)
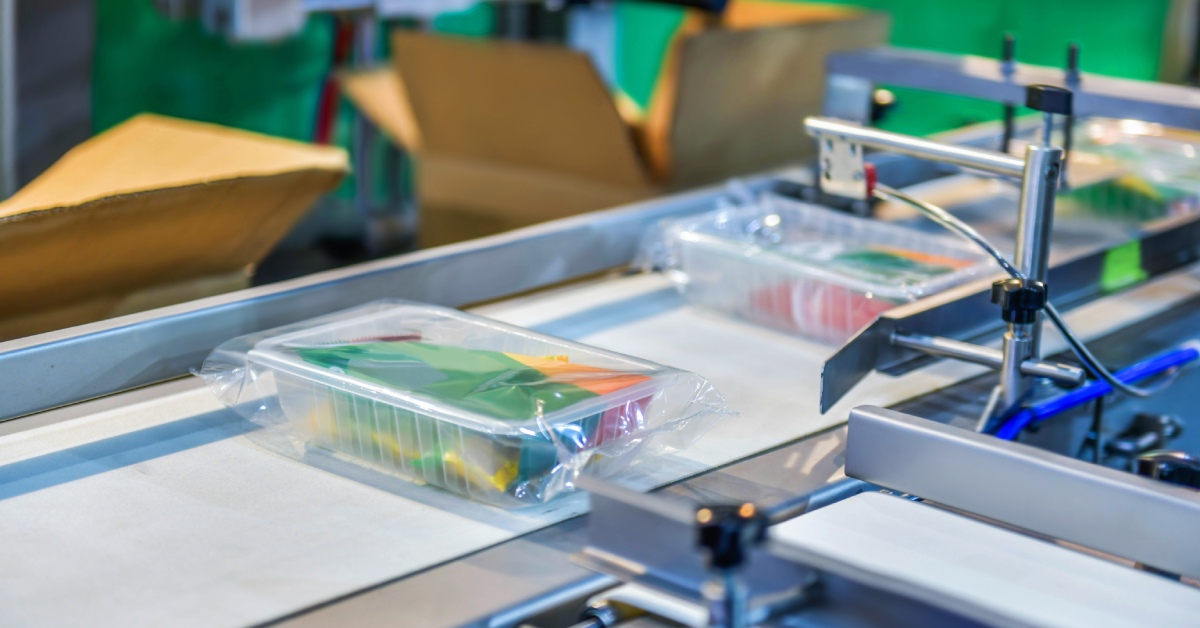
(1156, 172)
(492, 412)
(809, 270)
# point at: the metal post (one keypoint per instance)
(1018, 346)
(364, 135)
(8, 98)
(1035, 220)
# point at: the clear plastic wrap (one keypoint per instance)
(805, 269)
(1157, 172)
(493, 412)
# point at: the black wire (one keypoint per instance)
(957, 226)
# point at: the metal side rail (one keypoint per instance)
(72, 365)
(1063, 498)
(979, 77)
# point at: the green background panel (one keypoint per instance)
(145, 62)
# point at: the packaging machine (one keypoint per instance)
(853, 490)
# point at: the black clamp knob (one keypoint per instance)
(1019, 300)
(1050, 99)
(728, 531)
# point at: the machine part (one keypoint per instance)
(842, 169)
(838, 131)
(1039, 187)
(1032, 249)
(1035, 218)
(882, 101)
(1098, 430)
(666, 555)
(983, 78)
(993, 358)
(1039, 184)
(8, 98)
(1014, 386)
(1073, 399)
(725, 533)
(1008, 55)
(813, 194)
(1147, 433)
(1020, 300)
(1175, 467)
(1126, 516)
(945, 219)
(1073, 83)
(608, 614)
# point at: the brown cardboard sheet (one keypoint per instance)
(531, 105)
(732, 100)
(154, 201)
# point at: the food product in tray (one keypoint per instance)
(492, 412)
(810, 270)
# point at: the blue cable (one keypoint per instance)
(1047, 408)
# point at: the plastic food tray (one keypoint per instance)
(809, 270)
(492, 412)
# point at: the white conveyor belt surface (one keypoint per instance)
(1004, 577)
(157, 509)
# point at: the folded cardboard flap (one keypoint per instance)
(380, 95)
(731, 98)
(510, 134)
(154, 201)
(532, 105)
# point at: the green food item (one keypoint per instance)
(504, 386)
(1122, 267)
(890, 267)
(1129, 197)
(488, 382)
(874, 264)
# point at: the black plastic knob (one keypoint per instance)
(1019, 301)
(728, 531)
(1050, 99)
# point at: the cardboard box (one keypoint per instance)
(152, 212)
(510, 134)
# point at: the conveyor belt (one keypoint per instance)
(160, 510)
(1003, 576)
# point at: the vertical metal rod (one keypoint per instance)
(1008, 56)
(727, 600)
(1018, 345)
(1069, 122)
(8, 98)
(1035, 220)
(364, 135)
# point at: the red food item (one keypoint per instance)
(816, 309)
(622, 420)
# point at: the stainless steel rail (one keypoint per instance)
(979, 77)
(1048, 494)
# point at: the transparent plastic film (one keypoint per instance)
(1147, 172)
(805, 269)
(496, 413)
